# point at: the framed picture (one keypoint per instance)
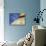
(17, 19)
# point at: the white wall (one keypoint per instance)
(43, 6)
(1, 21)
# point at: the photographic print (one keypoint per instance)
(17, 18)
